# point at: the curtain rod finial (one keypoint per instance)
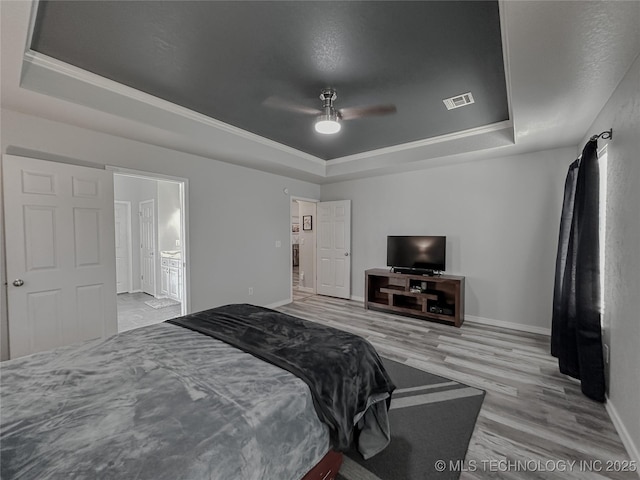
(606, 135)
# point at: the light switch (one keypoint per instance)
(278, 243)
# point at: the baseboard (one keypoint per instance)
(508, 325)
(306, 289)
(627, 441)
(279, 304)
(468, 318)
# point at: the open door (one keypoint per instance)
(147, 213)
(123, 246)
(60, 251)
(333, 248)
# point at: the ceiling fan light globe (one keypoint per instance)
(327, 126)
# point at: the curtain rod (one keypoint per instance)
(606, 135)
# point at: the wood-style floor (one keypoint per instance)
(297, 293)
(534, 421)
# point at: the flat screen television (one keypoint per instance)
(424, 254)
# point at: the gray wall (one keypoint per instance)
(235, 214)
(500, 216)
(168, 215)
(622, 254)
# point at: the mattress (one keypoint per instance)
(160, 402)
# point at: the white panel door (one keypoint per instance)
(148, 246)
(60, 254)
(123, 246)
(333, 248)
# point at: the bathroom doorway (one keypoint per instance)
(154, 285)
(303, 248)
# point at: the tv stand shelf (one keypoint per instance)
(440, 297)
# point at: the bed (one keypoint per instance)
(236, 392)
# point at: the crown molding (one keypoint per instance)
(502, 6)
(34, 62)
(494, 127)
(50, 76)
(36, 59)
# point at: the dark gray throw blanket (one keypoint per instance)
(346, 377)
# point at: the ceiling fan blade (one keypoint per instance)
(284, 104)
(366, 111)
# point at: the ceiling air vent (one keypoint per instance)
(459, 101)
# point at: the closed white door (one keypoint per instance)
(123, 246)
(148, 246)
(333, 248)
(60, 254)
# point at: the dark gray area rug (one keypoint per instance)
(432, 419)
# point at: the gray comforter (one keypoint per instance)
(161, 402)
(350, 387)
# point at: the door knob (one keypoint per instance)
(346, 254)
(18, 282)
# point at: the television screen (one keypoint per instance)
(421, 253)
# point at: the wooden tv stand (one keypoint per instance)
(391, 292)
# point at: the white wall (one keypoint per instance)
(501, 218)
(235, 214)
(622, 255)
(168, 215)
(135, 190)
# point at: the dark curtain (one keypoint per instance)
(576, 338)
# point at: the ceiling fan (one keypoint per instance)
(329, 117)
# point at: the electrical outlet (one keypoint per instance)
(250, 290)
(605, 351)
(278, 243)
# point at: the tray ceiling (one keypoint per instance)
(224, 59)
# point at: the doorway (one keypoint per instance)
(303, 252)
(158, 284)
(148, 235)
(122, 215)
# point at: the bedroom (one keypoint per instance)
(501, 211)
